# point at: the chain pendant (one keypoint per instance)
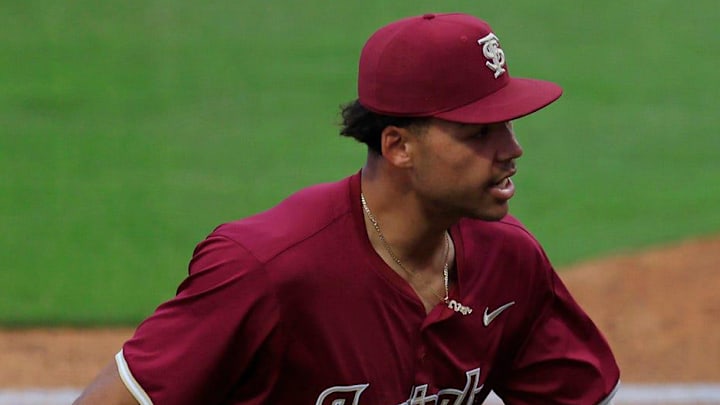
(458, 307)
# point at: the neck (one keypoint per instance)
(417, 238)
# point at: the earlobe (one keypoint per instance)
(396, 146)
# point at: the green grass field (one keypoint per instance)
(129, 130)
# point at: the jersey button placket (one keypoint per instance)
(423, 368)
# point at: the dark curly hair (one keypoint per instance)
(366, 126)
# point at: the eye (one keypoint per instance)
(482, 131)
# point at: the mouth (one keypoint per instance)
(503, 184)
(503, 189)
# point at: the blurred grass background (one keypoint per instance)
(129, 130)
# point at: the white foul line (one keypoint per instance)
(657, 394)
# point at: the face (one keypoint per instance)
(461, 170)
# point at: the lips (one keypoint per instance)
(504, 189)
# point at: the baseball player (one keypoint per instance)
(405, 283)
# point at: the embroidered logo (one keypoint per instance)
(488, 317)
(495, 55)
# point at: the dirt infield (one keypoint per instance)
(659, 309)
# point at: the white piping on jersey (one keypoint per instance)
(609, 399)
(127, 378)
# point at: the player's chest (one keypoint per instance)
(376, 353)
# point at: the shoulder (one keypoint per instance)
(295, 219)
(507, 235)
(505, 253)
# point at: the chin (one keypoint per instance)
(494, 213)
(492, 218)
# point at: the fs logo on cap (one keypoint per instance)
(495, 55)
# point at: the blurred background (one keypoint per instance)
(129, 130)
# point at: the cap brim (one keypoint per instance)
(518, 98)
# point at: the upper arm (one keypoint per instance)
(106, 388)
(213, 340)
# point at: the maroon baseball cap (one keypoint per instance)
(448, 66)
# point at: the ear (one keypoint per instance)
(396, 144)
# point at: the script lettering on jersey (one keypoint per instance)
(350, 394)
(448, 396)
(341, 395)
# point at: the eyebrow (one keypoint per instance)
(472, 127)
(465, 125)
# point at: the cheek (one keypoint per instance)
(471, 163)
(457, 175)
(452, 164)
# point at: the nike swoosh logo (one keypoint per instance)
(487, 318)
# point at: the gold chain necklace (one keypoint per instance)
(452, 304)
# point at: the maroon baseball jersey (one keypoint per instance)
(293, 306)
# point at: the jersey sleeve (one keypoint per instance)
(214, 340)
(564, 358)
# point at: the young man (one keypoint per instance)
(406, 283)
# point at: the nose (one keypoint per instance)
(509, 148)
